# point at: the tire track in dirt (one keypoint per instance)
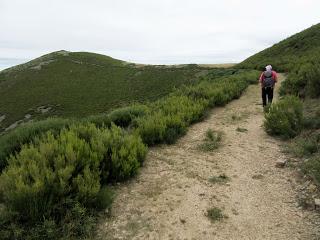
(171, 195)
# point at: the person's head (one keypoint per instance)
(269, 68)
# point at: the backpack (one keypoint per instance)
(268, 79)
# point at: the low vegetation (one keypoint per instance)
(306, 146)
(286, 55)
(212, 140)
(54, 180)
(81, 84)
(222, 178)
(60, 179)
(239, 129)
(284, 118)
(215, 214)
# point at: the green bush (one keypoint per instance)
(212, 140)
(56, 173)
(123, 116)
(12, 141)
(285, 117)
(306, 144)
(101, 120)
(304, 81)
(126, 154)
(312, 168)
(42, 176)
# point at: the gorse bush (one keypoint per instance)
(284, 118)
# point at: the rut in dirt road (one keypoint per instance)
(170, 197)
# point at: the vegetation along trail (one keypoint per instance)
(171, 196)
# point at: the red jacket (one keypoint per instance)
(274, 76)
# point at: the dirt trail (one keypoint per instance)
(170, 197)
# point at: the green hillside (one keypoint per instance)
(299, 56)
(78, 84)
(286, 54)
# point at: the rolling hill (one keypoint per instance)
(79, 84)
(285, 55)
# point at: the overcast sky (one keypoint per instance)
(150, 31)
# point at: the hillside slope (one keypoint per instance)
(78, 84)
(285, 54)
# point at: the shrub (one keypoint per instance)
(123, 116)
(56, 173)
(284, 118)
(42, 176)
(212, 140)
(306, 144)
(101, 120)
(151, 128)
(312, 168)
(12, 141)
(126, 154)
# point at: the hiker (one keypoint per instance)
(267, 80)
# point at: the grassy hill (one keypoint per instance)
(78, 84)
(286, 54)
(299, 56)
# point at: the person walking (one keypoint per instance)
(268, 79)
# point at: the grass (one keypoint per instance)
(239, 129)
(215, 214)
(212, 140)
(285, 55)
(222, 178)
(79, 84)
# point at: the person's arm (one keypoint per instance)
(275, 76)
(261, 79)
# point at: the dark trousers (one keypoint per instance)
(267, 94)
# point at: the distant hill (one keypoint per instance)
(285, 54)
(78, 84)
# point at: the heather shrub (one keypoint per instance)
(42, 176)
(125, 153)
(312, 168)
(12, 141)
(53, 182)
(284, 118)
(123, 116)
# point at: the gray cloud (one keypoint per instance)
(150, 31)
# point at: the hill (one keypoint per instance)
(286, 54)
(299, 56)
(79, 84)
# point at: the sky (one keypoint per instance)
(150, 31)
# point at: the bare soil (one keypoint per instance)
(170, 197)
